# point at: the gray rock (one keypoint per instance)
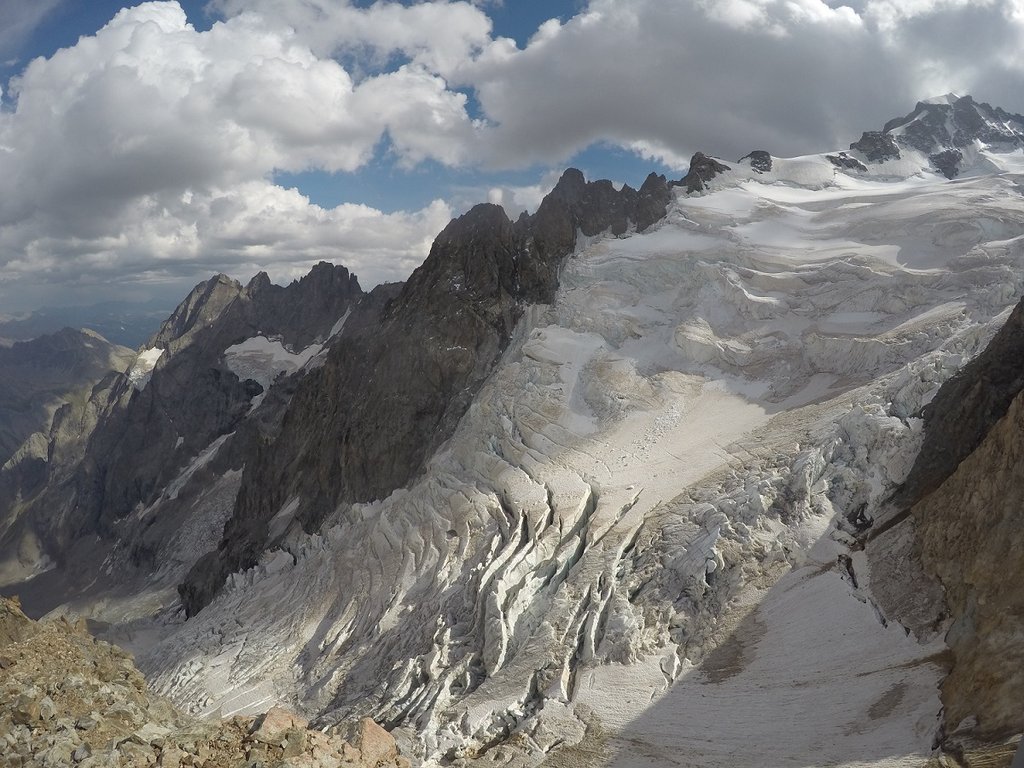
(151, 734)
(702, 170)
(844, 161)
(26, 710)
(877, 146)
(406, 367)
(88, 722)
(84, 750)
(948, 162)
(760, 160)
(47, 709)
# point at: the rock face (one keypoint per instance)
(941, 129)
(967, 495)
(702, 170)
(877, 146)
(966, 408)
(192, 396)
(760, 160)
(843, 160)
(48, 388)
(971, 531)
(392, 390)
(68, 699)
(38, 376)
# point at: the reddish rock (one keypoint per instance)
(273, 726)
(376, 745)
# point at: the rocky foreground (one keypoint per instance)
(69, 699)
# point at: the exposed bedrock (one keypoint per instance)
(971, 536)
(703, 169)
(966, 496)
(391, 392)
(967, 407)
(153, 423)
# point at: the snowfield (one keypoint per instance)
(263, 360)
(636, 549)
(142, 369)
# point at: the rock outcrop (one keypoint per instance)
(760, 161)
(971, 537)
(391, 391)
(966, 408)
(965, 494)
(702, 170)
(68, 699)
(877, 146)
(192, 397)
(844, 161)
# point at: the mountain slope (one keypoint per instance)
(46, 412)
(649, 515)
(94, 709)
(390, 393)
(182, 416)
(37, 376)
(608, 484)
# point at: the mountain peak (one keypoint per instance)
(946, 98)
(943, 128)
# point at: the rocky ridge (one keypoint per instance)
(68, 699)
(390, 393)
(142, 439)
(944, 130)
(48, 393)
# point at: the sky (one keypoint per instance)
(147, 146)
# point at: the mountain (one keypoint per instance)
(630, 481)
(199, 382)
(45, 389)
(391, 391)
(948, 130)
(128, 324)
(38, 376)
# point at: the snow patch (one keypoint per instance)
(263, 359)
(142, 369)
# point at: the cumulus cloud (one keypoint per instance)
(146, 151)
(726, 76)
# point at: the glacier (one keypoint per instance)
(640, 547)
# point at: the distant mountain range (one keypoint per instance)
(126, 323)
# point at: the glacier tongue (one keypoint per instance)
(638, 546)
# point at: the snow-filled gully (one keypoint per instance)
(636, 549)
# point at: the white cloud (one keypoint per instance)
(728, 76)
(145, 151)
(437, 35)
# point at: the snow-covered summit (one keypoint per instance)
(946, 98)
(951, 132)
